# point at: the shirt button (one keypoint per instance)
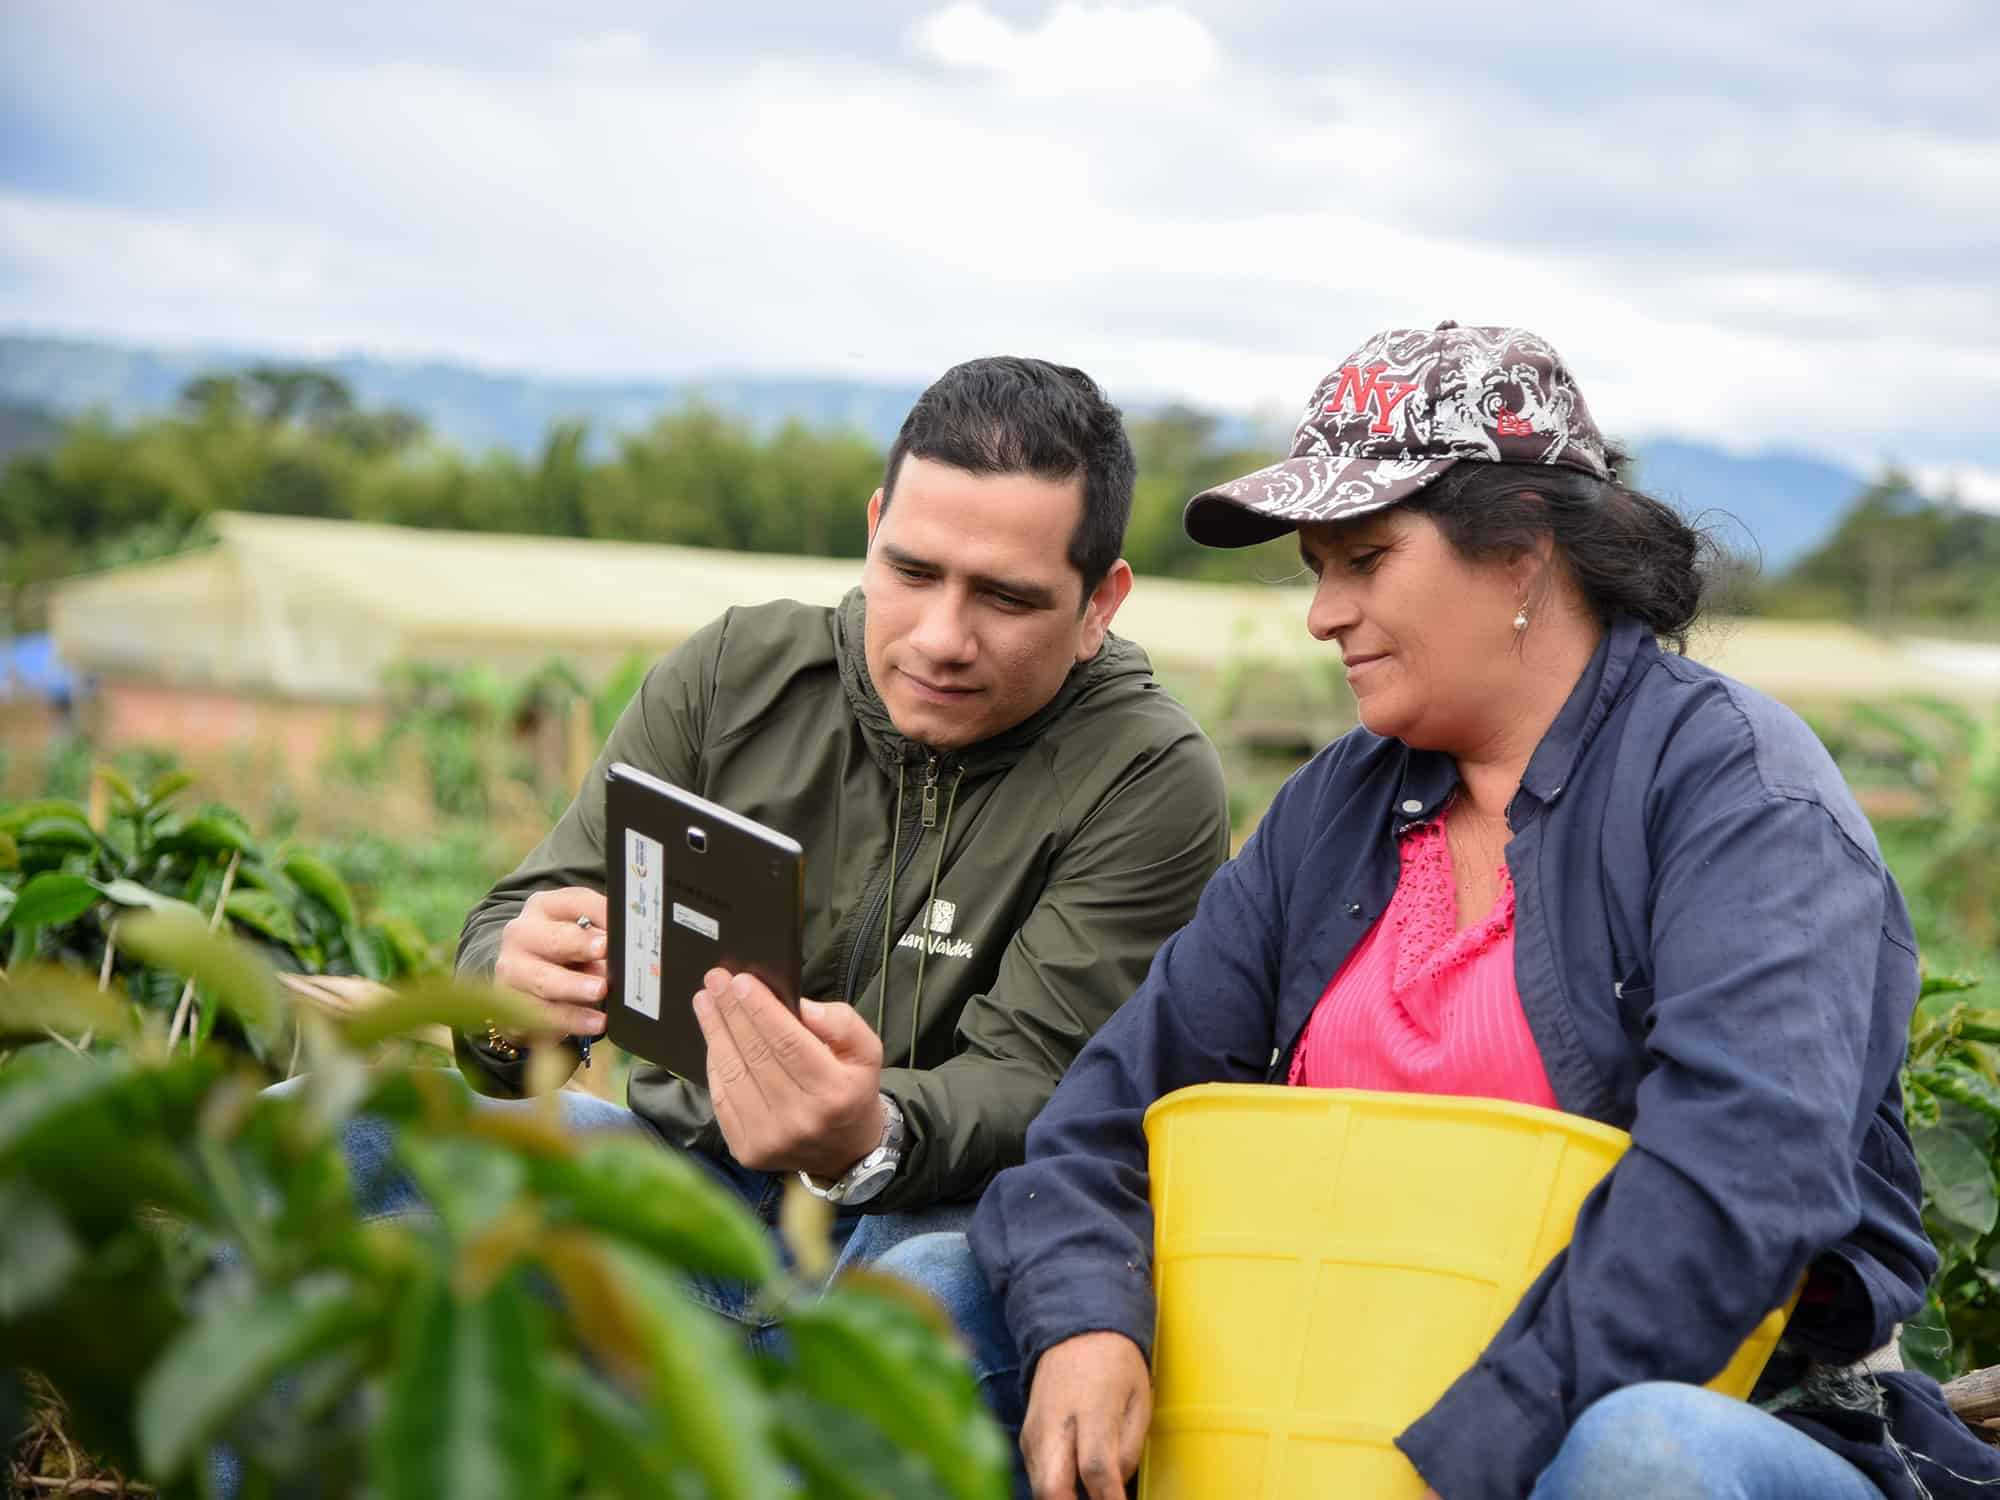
(1413, 806)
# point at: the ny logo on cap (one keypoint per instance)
(1366, 389)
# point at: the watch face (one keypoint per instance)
(866, 1183)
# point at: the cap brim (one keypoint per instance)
(1294, 492)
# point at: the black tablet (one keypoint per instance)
(690, 886)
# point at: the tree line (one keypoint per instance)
(295, 441)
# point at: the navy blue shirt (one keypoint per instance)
(1710, 954)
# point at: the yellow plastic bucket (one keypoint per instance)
(1328, 1261)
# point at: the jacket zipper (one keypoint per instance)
(872, 914)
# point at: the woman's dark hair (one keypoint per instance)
(1007, 415)
(1630, 554)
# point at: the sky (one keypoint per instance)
(1757, 223)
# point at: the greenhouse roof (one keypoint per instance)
(319, 607)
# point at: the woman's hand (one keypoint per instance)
(1088, 1411)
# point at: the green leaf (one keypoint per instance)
(656, 1201)
(619, 1435)
(1957, 1174)
(1944, 984)
(322, 882)
(99, 1135)
(227, 969)
(51, 899)
(46, 997)
(263, 912)
(408, 946)
(10, 852)
(1926, 1340)
(471, 1413)
(57, 833)
(468, 1183)
(447, 1002)
(131, 893)
(167, 785)
(369, 954)
(18, 817)
(228, 1359)
(702, 1395)
(253, 874)
(866, 1348)
(205, 835)
(38, 1253)
(842, 1459)
(1954, 1080)
(119, 786)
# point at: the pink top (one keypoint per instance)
(1422, 1008)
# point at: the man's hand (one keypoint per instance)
(545, 954)
(792, 1093)
(1088, 1411)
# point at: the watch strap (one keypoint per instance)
(871, 1174)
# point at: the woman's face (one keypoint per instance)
(1428, 637)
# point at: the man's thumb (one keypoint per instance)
(838, 1024)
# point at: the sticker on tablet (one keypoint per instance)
(644, 894)
(694, 921)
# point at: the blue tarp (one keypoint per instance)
(29, 669)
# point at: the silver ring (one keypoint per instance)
(583, 922)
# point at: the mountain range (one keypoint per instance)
(1773, 504)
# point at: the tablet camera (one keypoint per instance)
(698, 840)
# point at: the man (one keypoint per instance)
(1003, 813)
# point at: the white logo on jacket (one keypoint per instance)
(936, 937)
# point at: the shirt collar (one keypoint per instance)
(1428, 778)
(1596, 692)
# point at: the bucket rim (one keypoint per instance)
(1470, 1108)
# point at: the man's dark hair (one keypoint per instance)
(1007, 415)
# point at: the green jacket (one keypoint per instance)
(1059, 855)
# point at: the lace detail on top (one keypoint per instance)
(1424, 913)
(1420, 1007)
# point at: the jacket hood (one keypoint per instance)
(1116, 659)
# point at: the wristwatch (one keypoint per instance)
(871, 1174)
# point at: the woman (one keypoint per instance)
(1556, 864)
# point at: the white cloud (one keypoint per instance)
(613, 52)
(620, 203)
(1077, 47)
(1967, 484)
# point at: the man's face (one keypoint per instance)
(975, 615)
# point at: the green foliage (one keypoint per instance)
(697, 478)
(1180, 454)
(294, 441)
(1946, 759)
(67, 880)
(182, 1258)
(1897, 555)
(1951, 1096)
(420, 887)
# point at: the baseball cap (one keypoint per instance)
(1394, 415)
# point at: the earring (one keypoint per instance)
(1521, 619)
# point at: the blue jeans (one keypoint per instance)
(1660, 1441)
(381, 1190)
(1674, 1441)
